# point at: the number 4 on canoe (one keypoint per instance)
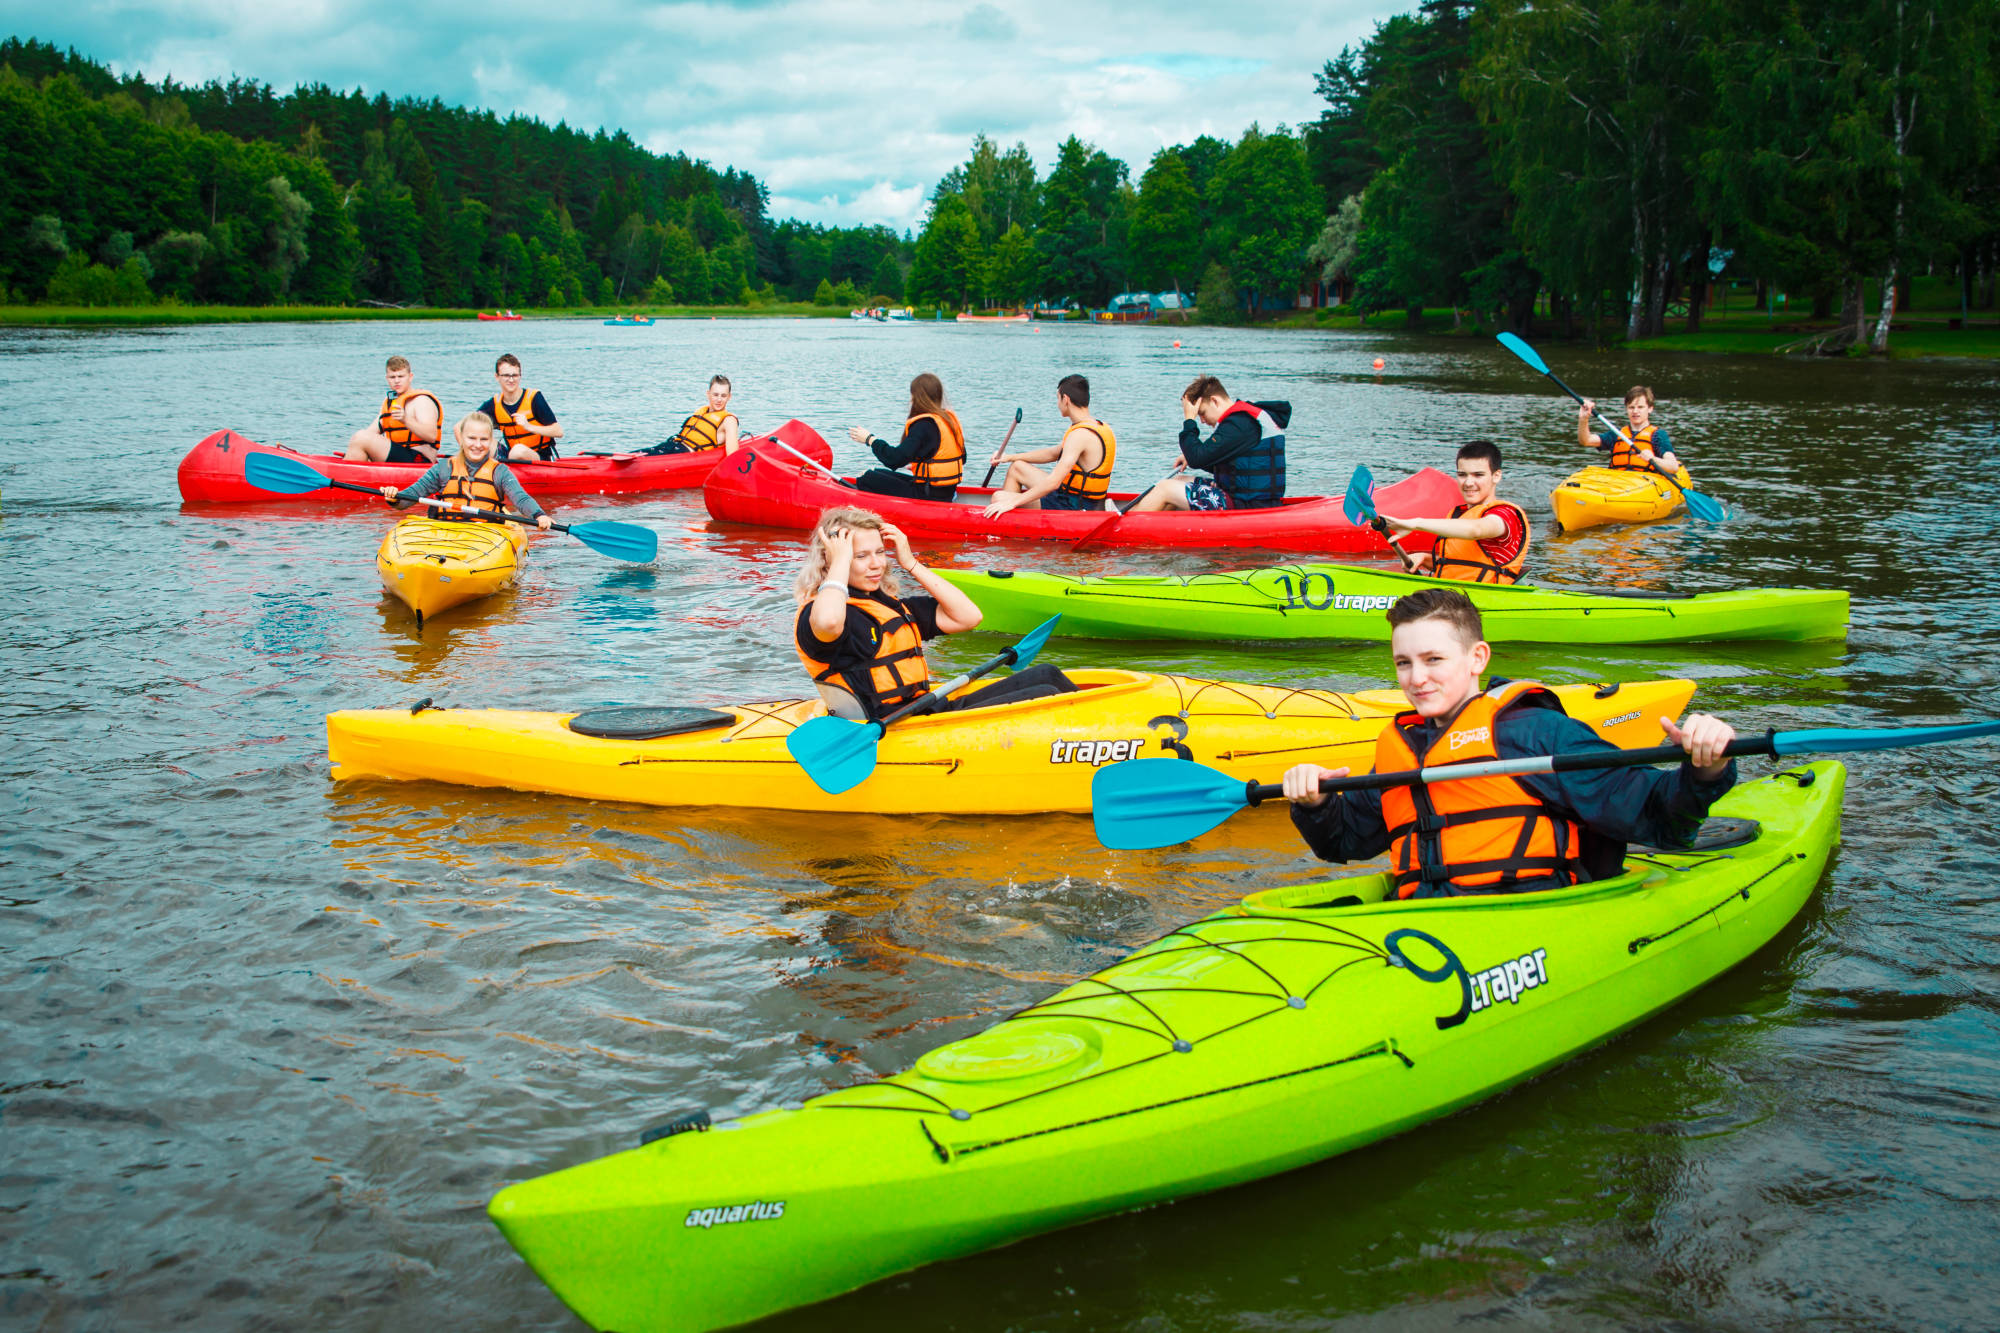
(619, 541)
(1146, 803)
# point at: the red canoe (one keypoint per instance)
(765, 487)
(212, 472)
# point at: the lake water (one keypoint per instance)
(267, 1045)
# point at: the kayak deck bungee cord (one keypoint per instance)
(432, 565)
(1301, 1023)
(1028, 757)
(1346, 602)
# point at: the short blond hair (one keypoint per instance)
(397, 363)
(471, 419)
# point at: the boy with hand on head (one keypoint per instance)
(1498, 834)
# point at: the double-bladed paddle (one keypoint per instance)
(1145, 803)
(838, 754)
(1002, 449)
(290, 476)
(1703, 507)
(1359, 506)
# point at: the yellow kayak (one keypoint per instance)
(1599, 495)
(432, 566)
(1020, 758)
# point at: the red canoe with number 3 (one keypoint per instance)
(767, 487)
(212, 472)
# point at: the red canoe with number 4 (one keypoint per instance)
(212, 472)
(766, 487)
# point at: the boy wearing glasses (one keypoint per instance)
(526, 424)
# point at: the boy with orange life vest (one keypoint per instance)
(1498, 834)
(1486, 539)
(1080, 477)
(527, 425)
(472, 478)
(711, 427)
(932, 448)
(1648, 449)
(1245, 454)
(863, 644)
(407, 429)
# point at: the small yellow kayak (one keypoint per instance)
(1599, 495)
(432, 566)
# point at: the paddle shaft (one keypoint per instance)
(1607, 422)
(1005, 657)
(1255, 793)
(1004, 442)
(809, 462)
(1111, 520)
(480, 515)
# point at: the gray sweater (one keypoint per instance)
(440, 472)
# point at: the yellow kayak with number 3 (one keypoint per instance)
(1028, 757)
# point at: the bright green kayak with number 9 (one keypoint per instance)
(1347, 602)
(1300, 1023)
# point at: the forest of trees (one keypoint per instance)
(1611, 158)
(1599, 162)
(122, 191)
(1596, 164)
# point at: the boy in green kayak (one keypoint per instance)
(1498, 834)
(471, 478)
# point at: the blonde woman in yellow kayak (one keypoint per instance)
(863, 644)
(471, 478)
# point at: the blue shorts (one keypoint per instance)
(1206, 493)
(1064, 500)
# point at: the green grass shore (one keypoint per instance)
(24, 316)
(1920, 334)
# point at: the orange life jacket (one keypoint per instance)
(703, 430)
(895, 675)
(1488, 835)
(478, 489)
(1626, 456)
(514, 432)
(394, 428)
(1092, 483)
(946, 467)
(1464, 558)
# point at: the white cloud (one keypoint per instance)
(848, 110)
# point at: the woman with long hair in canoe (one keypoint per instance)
(863, 644)
(932, 448)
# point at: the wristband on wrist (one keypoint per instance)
(830, 583)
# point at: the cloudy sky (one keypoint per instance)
(848, 110)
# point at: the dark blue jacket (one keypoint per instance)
(1613, 806)
(1248, 464)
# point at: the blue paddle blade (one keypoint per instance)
(1145, 803)
(1706, 508)
(1029, 646)
(1837, 740)
(286, 476)
(1359, 502)
(620, 541)
(1525, 352)
(836, 754)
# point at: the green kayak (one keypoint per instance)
(1346, 602)
(1302, 1023)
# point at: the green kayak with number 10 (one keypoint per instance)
(1347, 602)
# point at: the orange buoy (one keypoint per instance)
(1378, 363)
(1177, 342)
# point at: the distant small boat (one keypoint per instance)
(1018, 317)
(878, 315)
(632, 321)
(903, 315)
(1063, 312)
(498, 315)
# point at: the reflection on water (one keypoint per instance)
(270, 1044)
